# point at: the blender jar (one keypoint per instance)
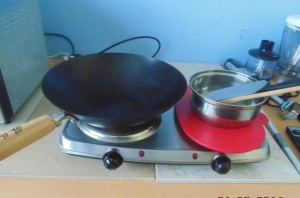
(289, 62)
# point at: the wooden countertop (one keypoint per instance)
(29, 187)
(37, 188)
(281, 124)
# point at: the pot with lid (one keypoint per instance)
(220, 114)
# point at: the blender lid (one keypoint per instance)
(293, 21)
(265, 51)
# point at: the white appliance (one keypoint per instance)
(23, 56)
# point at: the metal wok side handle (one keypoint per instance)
(24, 135)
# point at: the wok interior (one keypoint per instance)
(213, 80)
(114, 86)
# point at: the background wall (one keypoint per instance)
(206, 31)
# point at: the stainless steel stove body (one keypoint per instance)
(169, 145)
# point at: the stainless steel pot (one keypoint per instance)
(219, 114)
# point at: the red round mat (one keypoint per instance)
(224, 140)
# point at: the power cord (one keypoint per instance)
(72, 55)
(134, 38)
(284, 97)
(60, 55)
(64, 37)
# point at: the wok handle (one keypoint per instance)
(24, 135)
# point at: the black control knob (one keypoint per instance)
(112, 160)
(221, 164)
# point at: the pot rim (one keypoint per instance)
(232, 105)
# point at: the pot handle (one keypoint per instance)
(285, 84)
(27, 133)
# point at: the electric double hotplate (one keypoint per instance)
(177, 137)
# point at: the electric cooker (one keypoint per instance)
(175, 137)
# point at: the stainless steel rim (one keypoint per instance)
(122, 135)
(229, 73)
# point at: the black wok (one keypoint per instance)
(114, 89)
(108, 90)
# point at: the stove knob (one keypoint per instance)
(221, 164)
(112, 160)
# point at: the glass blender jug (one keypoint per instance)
(289, 61)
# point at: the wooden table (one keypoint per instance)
(26, 187)
(281, 124)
